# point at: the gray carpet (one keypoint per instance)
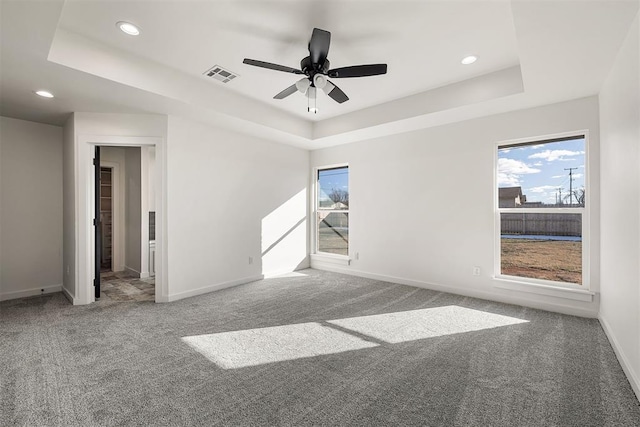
(315, 349)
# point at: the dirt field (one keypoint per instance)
(560, 261)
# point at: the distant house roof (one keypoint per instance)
(511, 197)
(330, 204)
(509, 192)
(339, 205)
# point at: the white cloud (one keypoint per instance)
(553, 155)
(542, 189)
(557, 176)
(509, 171)
(538, 164)
(543, 193)
(505, 180)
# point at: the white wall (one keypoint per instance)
(422, 206)
(231, 197)
(133, 214)
(620, 211)
(31, 206)
(120, 124)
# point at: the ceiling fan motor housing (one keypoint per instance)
(311, 69)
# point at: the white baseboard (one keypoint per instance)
(30, 292)
(210, 288)
(131, 271)
(558, 308)
(68, 295)
(632, 376)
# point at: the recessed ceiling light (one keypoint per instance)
(469, 59)
(128, 27)
(44, 93)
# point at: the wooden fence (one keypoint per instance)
(548, 224)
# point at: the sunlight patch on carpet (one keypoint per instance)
(293, 274)
(426, 323)
(239, 349)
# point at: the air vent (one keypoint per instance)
(219, 73)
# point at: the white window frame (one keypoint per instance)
(315, 210)
(541, 286)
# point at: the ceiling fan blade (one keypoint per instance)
(319, 46)
(271, 66)
(358, 71)
(288, 91)
(335, 93)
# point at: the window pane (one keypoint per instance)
(544, 246)
(333, 188)
(333, 232)
(542, 174)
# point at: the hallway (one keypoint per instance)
(124, 287)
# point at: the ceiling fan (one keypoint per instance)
(316, 69)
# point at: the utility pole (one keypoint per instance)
(560, 196)
(570, 184)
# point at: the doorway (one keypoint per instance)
(83, 271)
(122, 224)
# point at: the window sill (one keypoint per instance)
(331, 259)
(549, 290)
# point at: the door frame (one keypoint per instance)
(84, 195)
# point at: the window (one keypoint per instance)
(332, 207)
(541, 204)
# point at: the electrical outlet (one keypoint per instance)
(67, 270)
(476, 271)
(357, 256)
(250, 260)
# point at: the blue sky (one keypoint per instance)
(330, 179)
(540, 169)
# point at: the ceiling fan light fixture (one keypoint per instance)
(303, 85)
(320, 81)
(128, 28)
(468, 60)
(311, 93)
(312, 105)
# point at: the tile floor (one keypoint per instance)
(122, 287)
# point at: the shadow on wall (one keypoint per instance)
(284, 236)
